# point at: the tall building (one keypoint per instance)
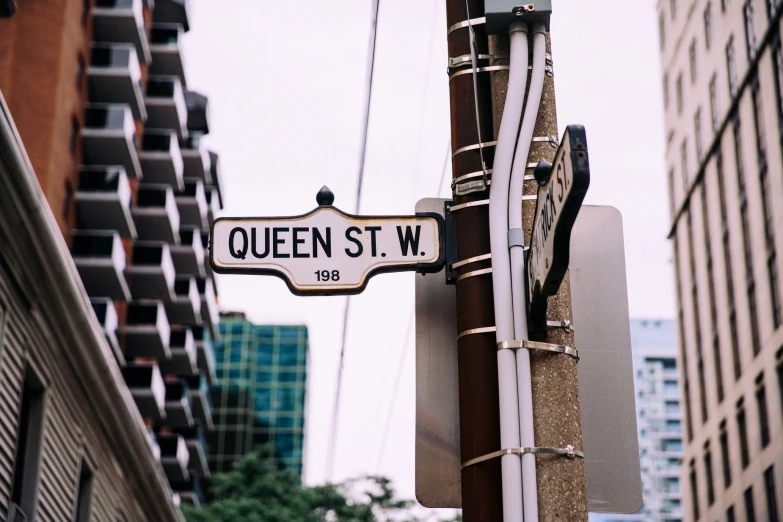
(722, 67)
(112, 133)
(658, 421)
(260, 394)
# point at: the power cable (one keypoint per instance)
(360, 177)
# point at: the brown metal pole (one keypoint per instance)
(478, 376)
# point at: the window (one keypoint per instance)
(666, 91)
(79, 71)
(73, 139)
(777, 69)
(85, 12)
(661, 31)
(761, 403)
(750, 511)
(714, 108)
(772, 501)
(724, 455)
(731, 66)
(697, 135)
(686, 175)
(24, 491)
(742, 430)
(730, 514)
(692, 55)
(694, 492)
(673, 8)
(708, 25)
(750, 29)
(671, 191)
(772, 8)
(67, 200)
(83, 494)
(708, 477)
(717, 359)
(678, 88)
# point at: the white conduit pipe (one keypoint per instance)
(529, 491)
(501, 274)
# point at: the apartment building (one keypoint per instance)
(109, 133)
(658, 422)
(260, 395)
(722, 74)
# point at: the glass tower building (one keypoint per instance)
(658, 421)
(260, 396)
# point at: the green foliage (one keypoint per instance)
(258, 491)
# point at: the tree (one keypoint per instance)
(257, 490)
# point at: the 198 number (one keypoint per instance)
(325, 275)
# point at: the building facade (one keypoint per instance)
(722, 73)
(260, 395)
(658, 421)
(113, 139)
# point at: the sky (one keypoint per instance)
(285, 82)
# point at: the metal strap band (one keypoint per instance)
(516, 237)
(470, 260)
(529, 197)
(475, 146)
(535, 345)
(529, 177)
(531, 165)
(552, 140)
(489, 68)
(569, 451)
(475, 331)
(479, 174)
(466, 58)
(466, 23)
(483, 271)
(469, 204)
(470, 187)
(565, 325)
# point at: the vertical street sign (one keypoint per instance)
(562, 188)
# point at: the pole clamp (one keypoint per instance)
(566, 325)
(569, 452)
(536, 345)
(516, 238)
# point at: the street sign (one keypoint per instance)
(605, 372)
(326, 251)
(560, 193)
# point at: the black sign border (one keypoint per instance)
(561, 249)
(423, 268)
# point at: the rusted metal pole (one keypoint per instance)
(478, 375)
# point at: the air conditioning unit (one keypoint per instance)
(15, 514)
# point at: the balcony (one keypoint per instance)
(147, 388)
(100, 259)
(121, 21)
(166, 51)
(115, 77)
(192, 205)
(178, 411)
(195, 159)
(199, 400)
(189, 491)
(205, 242)
(103, 200)
(183, 353)
(153, 444)
(172, 12)
(107, 316)
(151, 272)
(209, 309)
(214, 161)
(161, 159)
(108, 137)
(197, 448)
(185, 307)
(205, 353)
(166, 105)
(198, 112)
(174, 456)
(147, 331)
(188, 256)
(156, 215)
(213, 203)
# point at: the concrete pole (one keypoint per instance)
(562, 493)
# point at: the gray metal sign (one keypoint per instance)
(606, 391)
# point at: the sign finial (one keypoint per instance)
(325, 196)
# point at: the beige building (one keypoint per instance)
(722, 69)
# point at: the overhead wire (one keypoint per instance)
(331, 449)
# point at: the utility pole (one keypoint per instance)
(557, 423)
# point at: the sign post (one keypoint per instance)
(326, 251)
(562, 186)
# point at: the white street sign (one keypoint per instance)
(326, 251)
(560, 196)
